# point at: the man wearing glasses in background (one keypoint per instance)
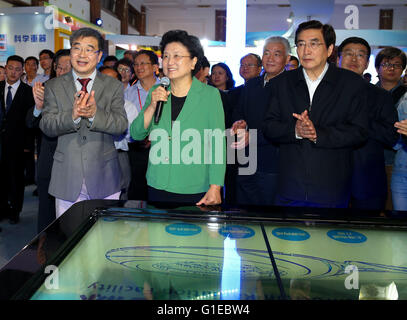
(145, 68)
(390, 64)
(369, 182)
(85, 110)
(317, 115)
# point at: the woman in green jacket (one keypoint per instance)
(187, 157)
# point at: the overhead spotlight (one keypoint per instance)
(290, 17)
(99, 22)
(1, 14)
(36, 12)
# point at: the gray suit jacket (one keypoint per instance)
(85, 151)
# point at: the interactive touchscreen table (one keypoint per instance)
(110, 251)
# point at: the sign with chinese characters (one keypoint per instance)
(24, 35)
(30, 38)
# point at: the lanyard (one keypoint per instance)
(139, 99)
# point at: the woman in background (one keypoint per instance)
(221, 77)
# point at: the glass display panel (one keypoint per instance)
(128, 258)
(336, 262)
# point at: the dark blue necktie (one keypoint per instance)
(9, 99)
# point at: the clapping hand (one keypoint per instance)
(304, 127)
(84, 105)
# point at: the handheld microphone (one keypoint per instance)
(164, 82)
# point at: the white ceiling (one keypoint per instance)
(151, 4)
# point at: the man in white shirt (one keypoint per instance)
(145, 68)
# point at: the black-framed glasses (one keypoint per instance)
(387, 65)
(351, 54)
(76, 50)
(122, 69)
(141, 64)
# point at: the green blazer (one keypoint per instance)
(190, 154)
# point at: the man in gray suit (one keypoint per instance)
(85, 110)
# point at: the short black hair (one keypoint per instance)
(205, 63)
(110, 58)
(295, 59)
(230, 83)
(87, 32)
(192, 43)
(37, 62)
(48, 52)
(125, 62)
(390, 53)
(151, 54)
(327, 30)
(16, 58)
(60, 53)
(355, 40)
(131, 52)
(119, 77)
(256, 56)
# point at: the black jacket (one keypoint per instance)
(317, 172)
(369, 176)
(253, 103)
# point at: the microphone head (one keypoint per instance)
(165, 82)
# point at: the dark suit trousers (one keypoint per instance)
(138, 157)
(46, 205)
(11, 182)
(259, 189)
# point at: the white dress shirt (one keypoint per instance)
(89, 86)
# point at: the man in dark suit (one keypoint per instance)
(258, 185)
(16, 99)
(85, 110)
(317, 114)
(369, 183)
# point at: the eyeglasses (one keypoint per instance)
(121, 69)
(387, 65)
(141, 64)
(352, 54)
(76, 50)
(176, 57)
(313, 45)
(249, 65)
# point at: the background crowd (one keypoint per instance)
(321, 133)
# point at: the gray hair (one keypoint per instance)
(278, 39)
